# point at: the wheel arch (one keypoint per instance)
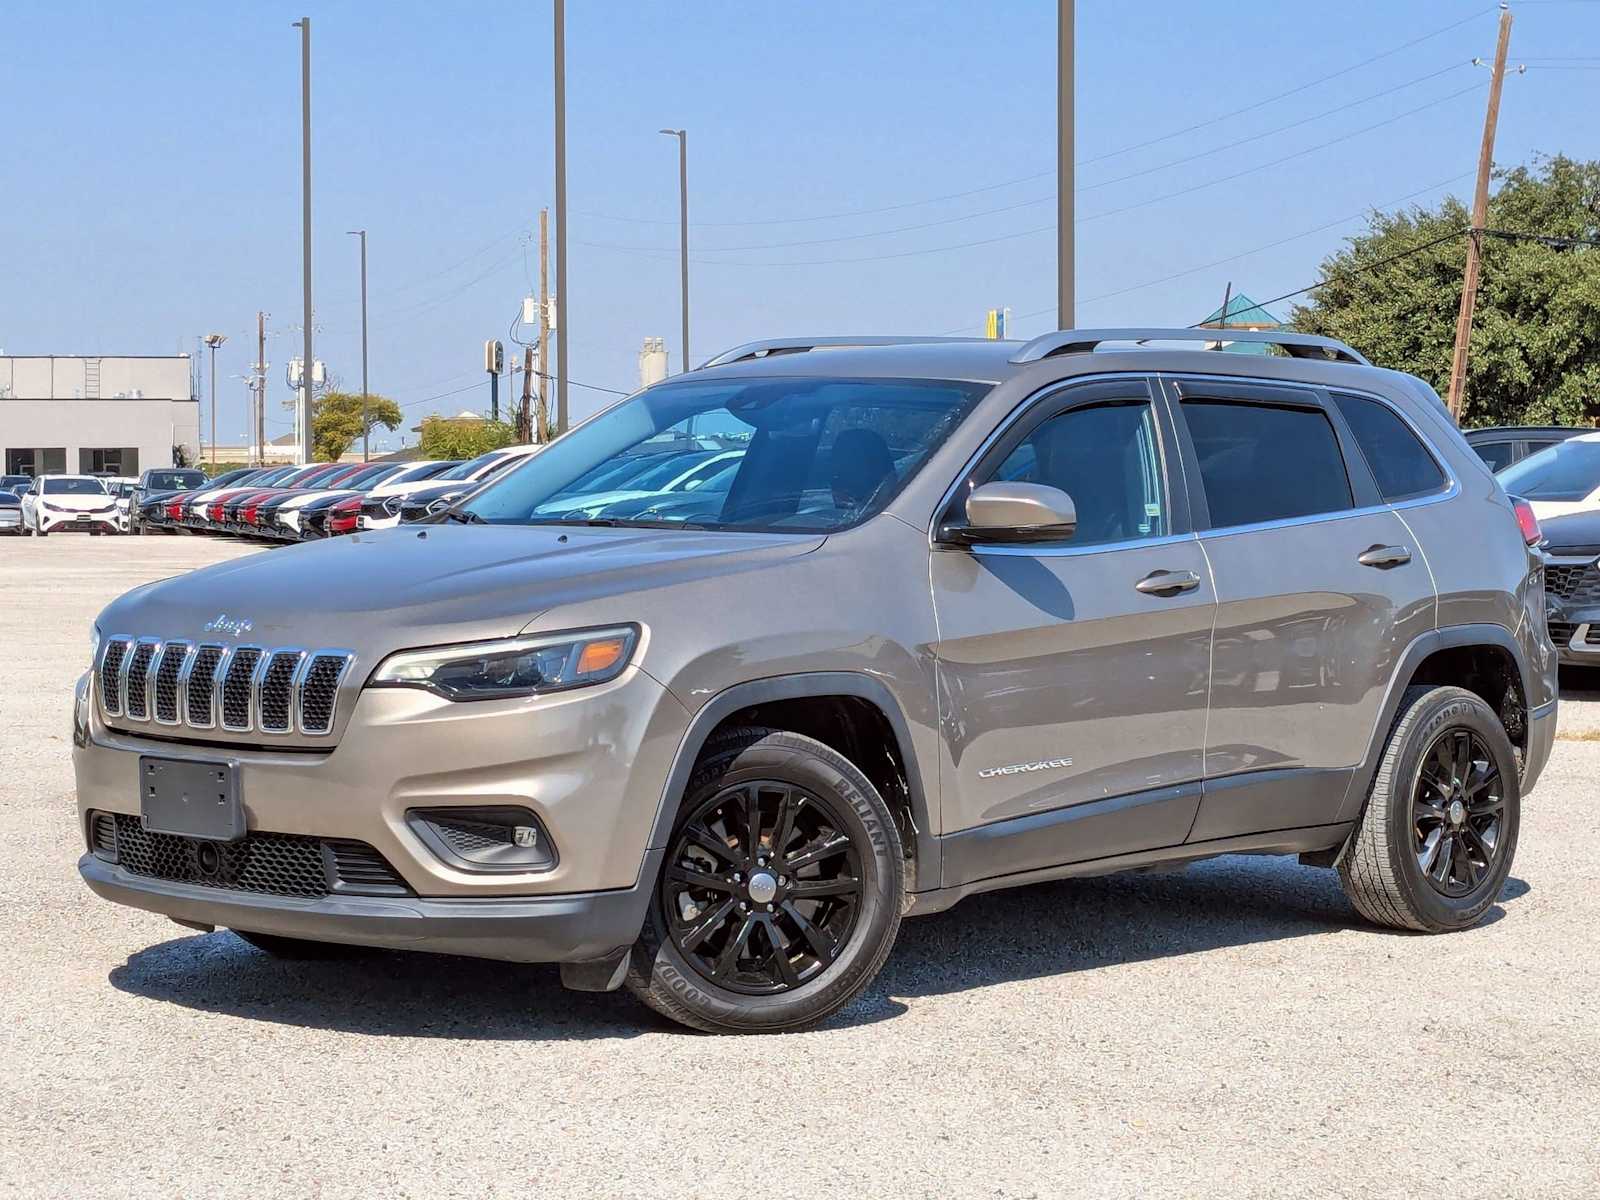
(1482, 658)
(821, 704)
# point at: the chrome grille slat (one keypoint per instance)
(279, 690)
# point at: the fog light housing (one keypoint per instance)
(487, 839)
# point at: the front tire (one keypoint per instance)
(781, 892)
(1434, 843)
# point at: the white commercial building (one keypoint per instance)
(120, 414)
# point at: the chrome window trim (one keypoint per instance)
(1343, 514)
(1061, 550)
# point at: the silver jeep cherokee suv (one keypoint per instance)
(952, 616)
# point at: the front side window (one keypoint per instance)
(810, 455)
(1400, 463)
(1567, 471)
(1107, 458)
(1497, 455)
(1263, 462)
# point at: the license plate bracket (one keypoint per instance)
(190, 798)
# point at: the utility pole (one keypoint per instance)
(366, 420)
(213, 340)
(1480, 216)
(561, 215)
(525, 413)
(307, 440)
(542, 425)
(1065, 174)
(683, 230)
(261, 388)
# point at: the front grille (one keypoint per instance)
(203, 687)
(277, 690)
(169, 667)
(1561, 632)
(271, 864)
(238, 682)
(111, 677)
(243, 689)
(1573, 583)
(137, 671)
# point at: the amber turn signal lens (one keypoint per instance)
(601, 656)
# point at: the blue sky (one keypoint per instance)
(150, 190)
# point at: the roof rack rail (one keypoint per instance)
(768, 347)
(1083, 341)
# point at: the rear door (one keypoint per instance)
(1073, 699)
(1320, 587)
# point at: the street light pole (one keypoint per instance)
(563, 309)
(683, 229)
(213, 340)
(304, 25)
(365, 419)
(1066, 180)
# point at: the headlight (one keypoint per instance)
(522, 666)
(94, 645)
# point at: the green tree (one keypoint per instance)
(443, 438)
(1536, 334)
(337, 423)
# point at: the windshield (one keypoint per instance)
(468, 469)
(811, 455)
(73, 487)
(175, 481)
(1566, 471)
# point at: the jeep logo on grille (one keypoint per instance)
(223, 623)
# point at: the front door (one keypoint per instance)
(1073, 676)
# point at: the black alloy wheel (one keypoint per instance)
(1458, 808)
(762, 887)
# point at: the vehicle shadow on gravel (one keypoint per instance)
(1002, 937)
(1087, 924)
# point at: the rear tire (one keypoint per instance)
(299, 949)
(1434, 842)
(782, 926)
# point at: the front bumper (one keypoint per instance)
(67, 522)
(566, 928)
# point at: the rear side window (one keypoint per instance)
(1260, 462)
(1496, 455)
(1400, 462)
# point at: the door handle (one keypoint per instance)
(1384, 557)
(1168, 583)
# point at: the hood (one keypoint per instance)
(1547, 509)
(416, 586)
(1573, 533)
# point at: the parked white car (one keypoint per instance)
(1562, 479)
(382, 508)
(55, 503)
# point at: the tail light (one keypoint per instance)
(1527, 521)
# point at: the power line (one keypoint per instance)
(1176, 133)
(1326, 225)
(1177, 162)
(1006, 237)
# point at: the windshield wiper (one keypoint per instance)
(464, 517)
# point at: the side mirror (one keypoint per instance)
(1018, 512)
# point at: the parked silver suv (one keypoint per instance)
(965, 615)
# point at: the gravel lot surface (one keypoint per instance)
(1232, 1029)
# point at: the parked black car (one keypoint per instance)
(1502, 445)
(1572, 586)
(159, 482)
